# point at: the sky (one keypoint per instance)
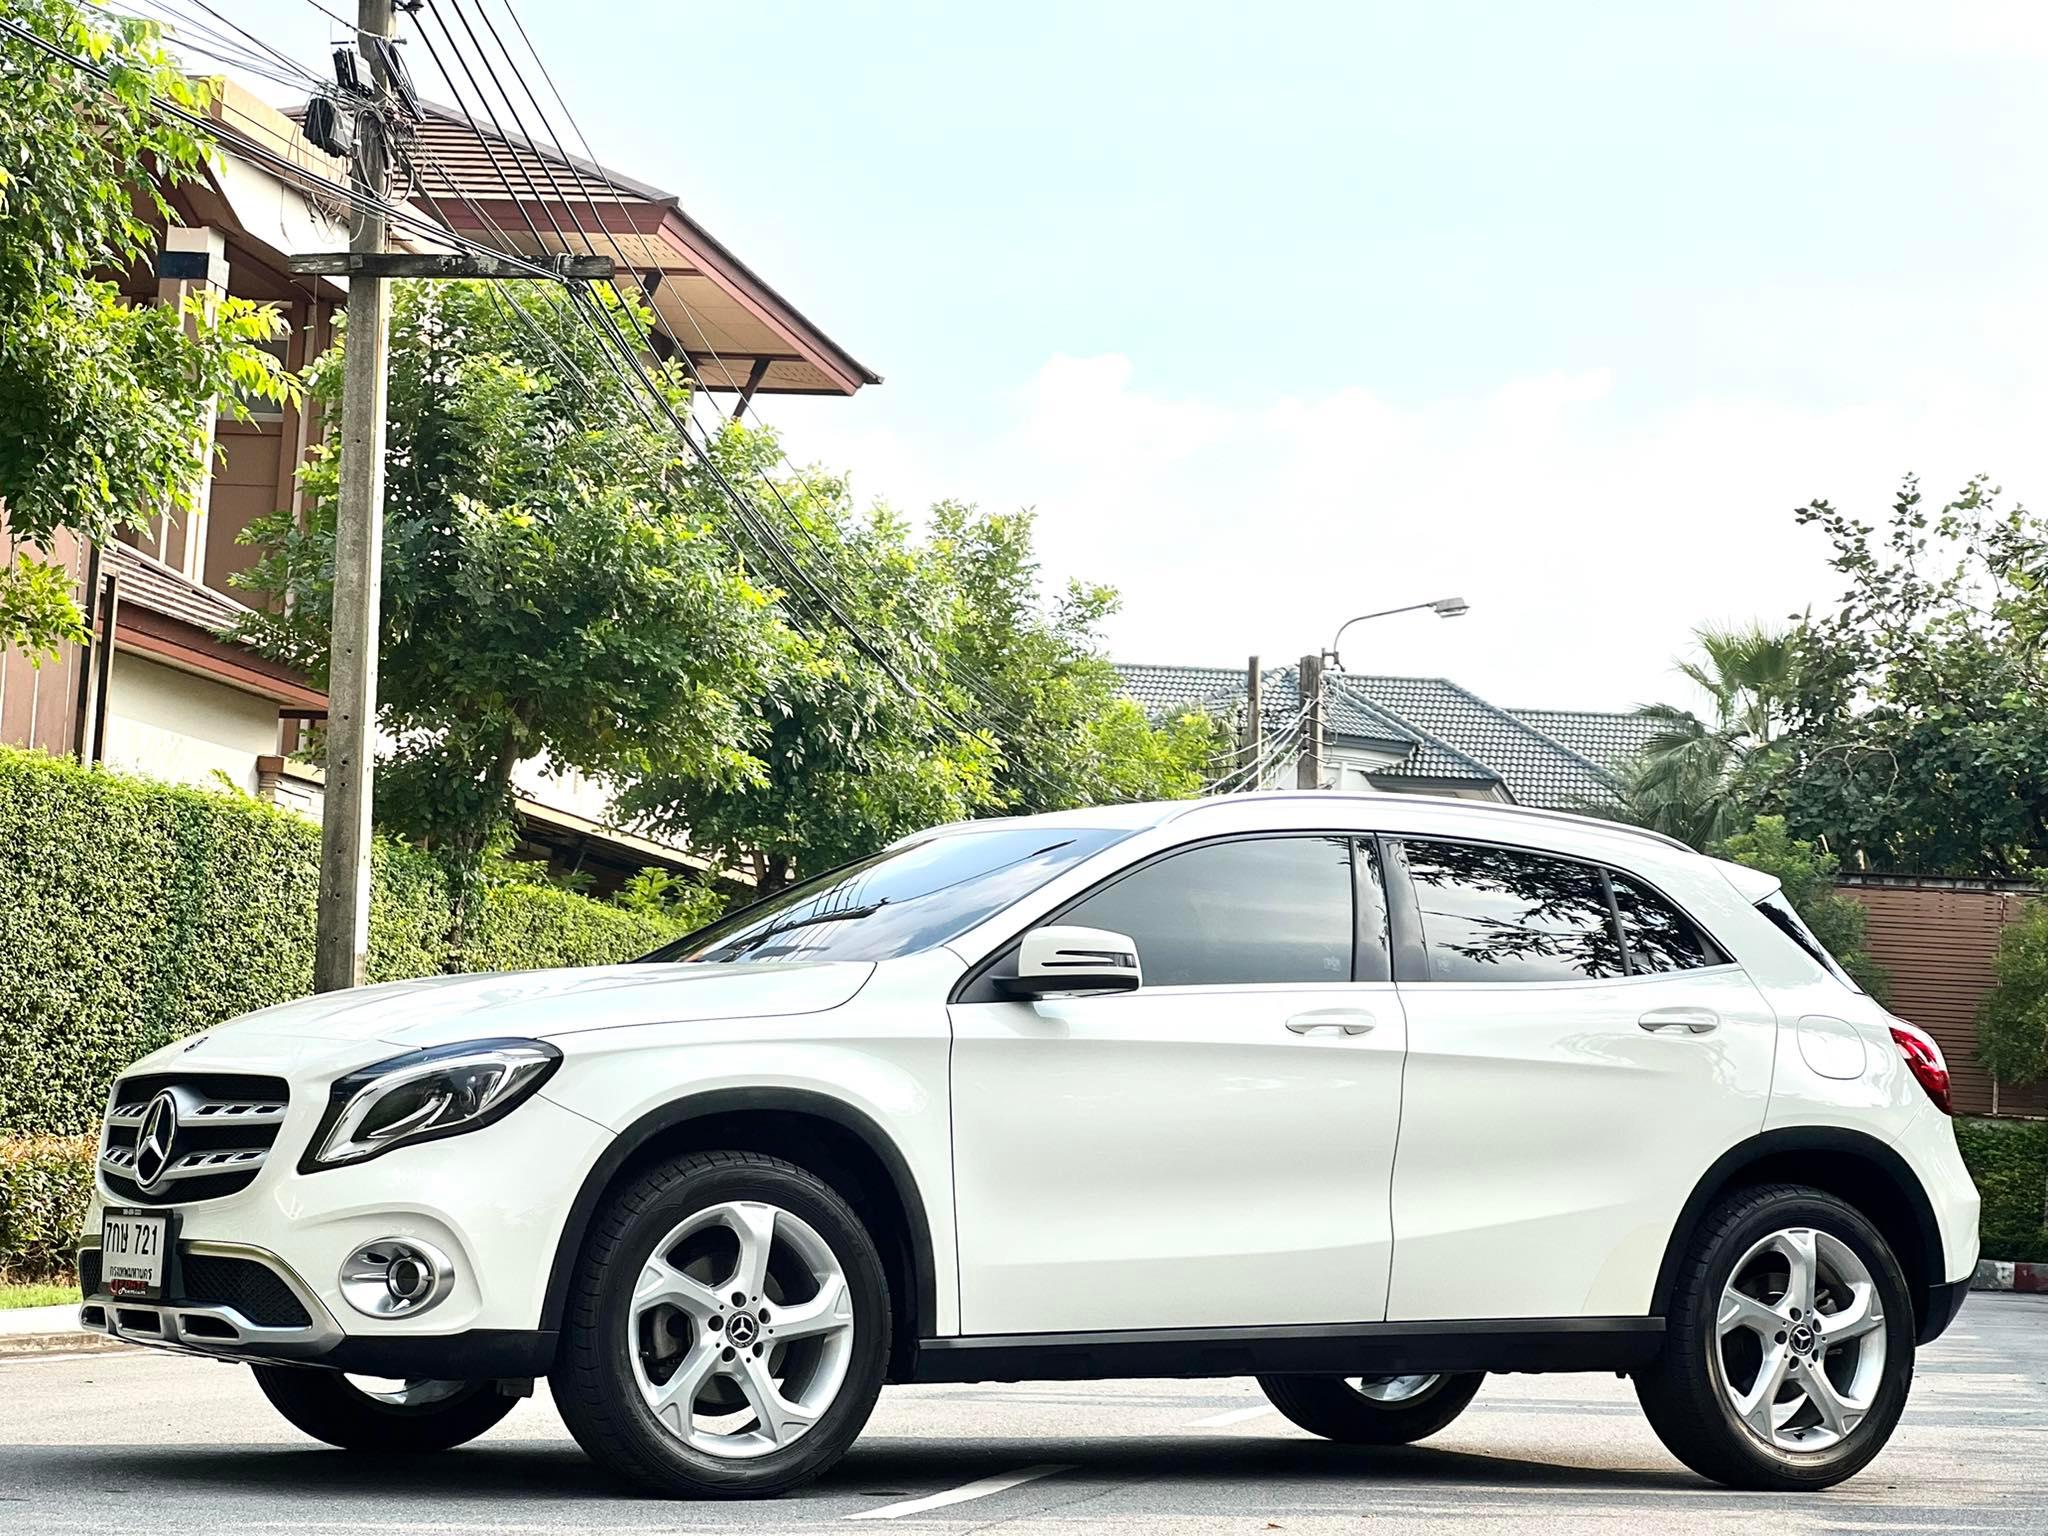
(1280, 313)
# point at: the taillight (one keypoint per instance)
(1924, 1059)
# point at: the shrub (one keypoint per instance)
(2009, 1161)
(2012, 1021)
(527, 926)
(132, 913)
(45, 1182)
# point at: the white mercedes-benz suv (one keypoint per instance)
(1363, 1095)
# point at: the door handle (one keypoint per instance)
(1352, 1021)
(1694, 1021)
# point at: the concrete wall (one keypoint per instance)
(176, 726)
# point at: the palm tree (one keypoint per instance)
(1684, 781)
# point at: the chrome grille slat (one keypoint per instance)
(222, 1128)
(209, 1112)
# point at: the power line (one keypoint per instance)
(750, 516)
(956, 672)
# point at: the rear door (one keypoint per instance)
(1212, 1150)
(1579, 1054)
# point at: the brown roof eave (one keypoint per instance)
(759, 295)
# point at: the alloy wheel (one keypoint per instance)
(407, 1391)
(1388, 1391)
(1799, 1346)
(740, 1329)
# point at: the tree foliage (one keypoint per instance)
(1690, 779)
(555, 586)
(2012, 1021)
(1807, 875)
(1010, 705)
(1918, 736)
(101, 402)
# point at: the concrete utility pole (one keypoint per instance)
(343, 935)
(1308, 766)
(1254, 720)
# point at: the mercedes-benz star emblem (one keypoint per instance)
(742, 1328)
(156, 1138)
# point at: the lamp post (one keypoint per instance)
(1442, 607)
(1308, 770)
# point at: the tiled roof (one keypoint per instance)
(1353, 714)
(1537, 769)
(1610, 740)
(149, 583)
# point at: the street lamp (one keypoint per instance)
(1442, 607)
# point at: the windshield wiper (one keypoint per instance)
(752, 941)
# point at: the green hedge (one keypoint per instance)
(45, 1182)
(2009, 1161)
(133, 912)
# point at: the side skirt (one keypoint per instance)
(1325, 1349)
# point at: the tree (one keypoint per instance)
(1807, 873)
(101, 402)
(1688, 780)
(555, 583)
(2012, 1021)
(1918, 736)
(992, 701)
(1069, 737)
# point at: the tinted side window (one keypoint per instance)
(1263, 910)
(1660, 937)
(1497, 914)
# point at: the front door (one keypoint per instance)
(1213, 1150)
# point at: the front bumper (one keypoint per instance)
(494, 1202)
(282, 1322)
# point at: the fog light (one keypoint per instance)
(396, 1277)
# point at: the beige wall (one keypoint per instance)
(176, 726)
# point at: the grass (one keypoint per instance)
(36, 1295)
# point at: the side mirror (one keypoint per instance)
(1058, 960)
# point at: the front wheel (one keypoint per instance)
(1373, 1410)
(371, 1414)
(727, 1331)
(1788, 1351)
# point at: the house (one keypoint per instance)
(1411, 735)
(161, 690)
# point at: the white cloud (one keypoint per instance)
(1591, 532)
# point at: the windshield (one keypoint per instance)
(1793, 926)
(897, 902)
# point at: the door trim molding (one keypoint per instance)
(1330, 1349)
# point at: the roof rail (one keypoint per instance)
(1491, 807)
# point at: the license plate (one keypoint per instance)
(132, 1254)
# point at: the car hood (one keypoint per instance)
(437, 1010)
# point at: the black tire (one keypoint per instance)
(330, 1407)
(1682, 1392)
(1335, 1408)
(594, 1381)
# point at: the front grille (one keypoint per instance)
(255, 1290)
(225, 1126)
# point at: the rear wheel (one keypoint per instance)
(365, 1413)
(1788, 1351)
(1373, 1410)
(727, 1331)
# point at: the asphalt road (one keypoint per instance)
(137, 1442)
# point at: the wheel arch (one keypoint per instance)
(838, 1142)
(1851, 1165)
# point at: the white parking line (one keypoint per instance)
(1234, 1416)
(980, 1488)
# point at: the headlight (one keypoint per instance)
(425, 1095)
